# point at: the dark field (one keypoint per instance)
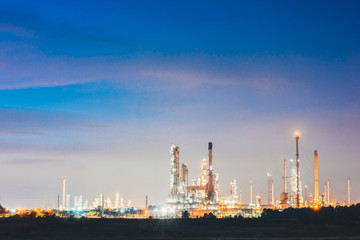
(54, 228)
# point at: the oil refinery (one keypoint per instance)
(202, 195)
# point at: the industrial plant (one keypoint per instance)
(201, 196)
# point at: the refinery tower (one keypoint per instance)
(202, 194)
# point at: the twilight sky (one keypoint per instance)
(97, 91)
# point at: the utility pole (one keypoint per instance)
(146, 202)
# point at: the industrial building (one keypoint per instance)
(201, 196)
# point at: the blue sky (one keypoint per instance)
(98, 91)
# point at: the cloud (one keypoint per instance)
(16, 30)
(90, 126)
(33, 122)
(30, 69)
(23, 161)
(21, 133)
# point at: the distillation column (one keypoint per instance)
(316, 170)
(349, 203)
(184, 175)
(174, 169)
(251, 192)
(328, 191)
(63, 196)
(284, 194)
(210, 182)
(297, 135)
(269, 189)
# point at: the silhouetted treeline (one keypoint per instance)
(350, 213)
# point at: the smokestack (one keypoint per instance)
(284, 177)
(349, 203)
(316, 170)
(283, 195)
(269, 189)
(272, 193)
(328, 191)
(177, 167)
(210, 182)
(297, 136)
(64, 201)
(102, 205)
(251, 193)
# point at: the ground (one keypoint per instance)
(177, 229)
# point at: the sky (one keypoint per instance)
(97, 91)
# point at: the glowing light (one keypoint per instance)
(163, 210)
(297, 134)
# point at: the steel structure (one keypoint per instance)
(270, 191)
(174, 169)
(349, 189)
(297, 136)
(201, 197)
(316, 180)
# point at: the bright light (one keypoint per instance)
(297, 134)
(163, 210)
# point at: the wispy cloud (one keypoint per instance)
(28, 122)
(148, 71)
(16, 30)
(23, 161)
(21, 133)
(90, 126)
